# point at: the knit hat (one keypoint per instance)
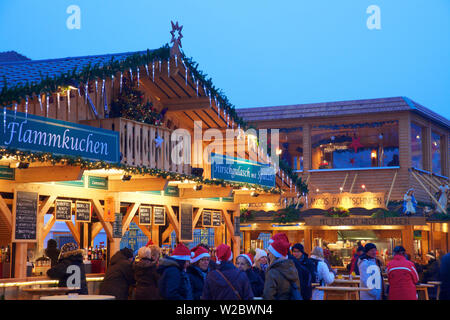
(279, 248)
(277, 236)
(223, 253)
(248, 257)
(299, 247)
(128, 253)
(68, 249)
(360, 248)
(198, 253)
(259, 254)
(369, 246)
(399, 249)
(181, 252)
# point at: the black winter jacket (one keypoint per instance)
(174, 283)
(256, 282)
(197, 279)
(118, 277)
(147, 279)
(217, 288)
(59, 270)
(305, 278)
(444, 277)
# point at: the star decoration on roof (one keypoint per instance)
(355, 145)
(176, 38)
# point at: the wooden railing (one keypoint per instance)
(138, 145)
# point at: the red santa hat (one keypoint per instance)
(223, 253)
(279, 248)
(277, 236)
(181, 252)
(149, 243)
(247, 256)
(198, 253)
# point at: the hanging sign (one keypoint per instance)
(206, 218)
(159, 216)
(82, 211)
(63, 210)
(145, 215)
(117, 226)
(7, 173)
(367, 200)
(241, 170)
(25, 209)
(108, 212)
(98, 183)
(186, 230)
(34, 133)
(237, 226)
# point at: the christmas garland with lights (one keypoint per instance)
(286, 215)
(30, 157)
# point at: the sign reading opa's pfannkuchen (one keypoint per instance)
(367, 200)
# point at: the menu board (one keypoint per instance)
(82, 211)
(216, 218)
(237, 226)
(206, 218)
(117, 226)
(159, 216)
(145, 215)
(25, 216)
(63, 210)
(186, 230)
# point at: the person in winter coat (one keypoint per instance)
(119, 275)
(174, 283)
(431, 273)
(52, 251)
(198, 269)
(323, 274)
(354, 262)
(146, 275)
(370, 274)
(226, 282)
(300, 259)
(281, 272)
(69, 262)
(444, 277)
(402, 276)
(261, 263)
(244, 263)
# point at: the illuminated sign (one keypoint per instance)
(367, 200)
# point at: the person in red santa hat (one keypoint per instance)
(244, 263)
(226, 282)
(198, 270)
(174, 283)
(281, 273)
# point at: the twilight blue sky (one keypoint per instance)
(261, 53)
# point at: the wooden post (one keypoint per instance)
(155, 235)
(431, 237)
(408, 239)
(20, 264)
(307, 244)
(115, 243)
(306, 148)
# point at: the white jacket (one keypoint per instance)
(324, 275)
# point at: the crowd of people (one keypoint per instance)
(283, 272)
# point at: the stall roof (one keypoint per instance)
(339, 108)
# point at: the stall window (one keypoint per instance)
(436, 158)
(416, 146)
(291, 143)
(355, 145)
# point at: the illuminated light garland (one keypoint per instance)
(40, 101)
(57, 98)
(68, 97)
(47, 98)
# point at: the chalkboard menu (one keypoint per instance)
(63, 210)
(25, 216)
(82, 211)
(237, 226)
(216, 218)
(186, 231)
(159, 216)
(145, 215)
(117, 226)
(206, 218)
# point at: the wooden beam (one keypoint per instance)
(173, 220)
(262, 198)
(428, 192)
(184, 104)
(129, 216)
(390, 189)
(206, 192)
(146, 184)
(48, 226)
(106, 225)
(96, 228)
(48, 174)
(197, 216)
(144, 229)
(166, 233)
(353, 183)
(345, 180)
(229, 225)
(5, 212)
(47, 204)
(75, 232)
(430, 181)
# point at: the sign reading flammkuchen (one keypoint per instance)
(367, 200)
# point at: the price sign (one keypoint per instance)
(145, 215)
(63, 210)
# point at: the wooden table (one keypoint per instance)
(438, 284)
(348, 291)
(346, 282)
(424, 287)
(37, 292)
(79, 297)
